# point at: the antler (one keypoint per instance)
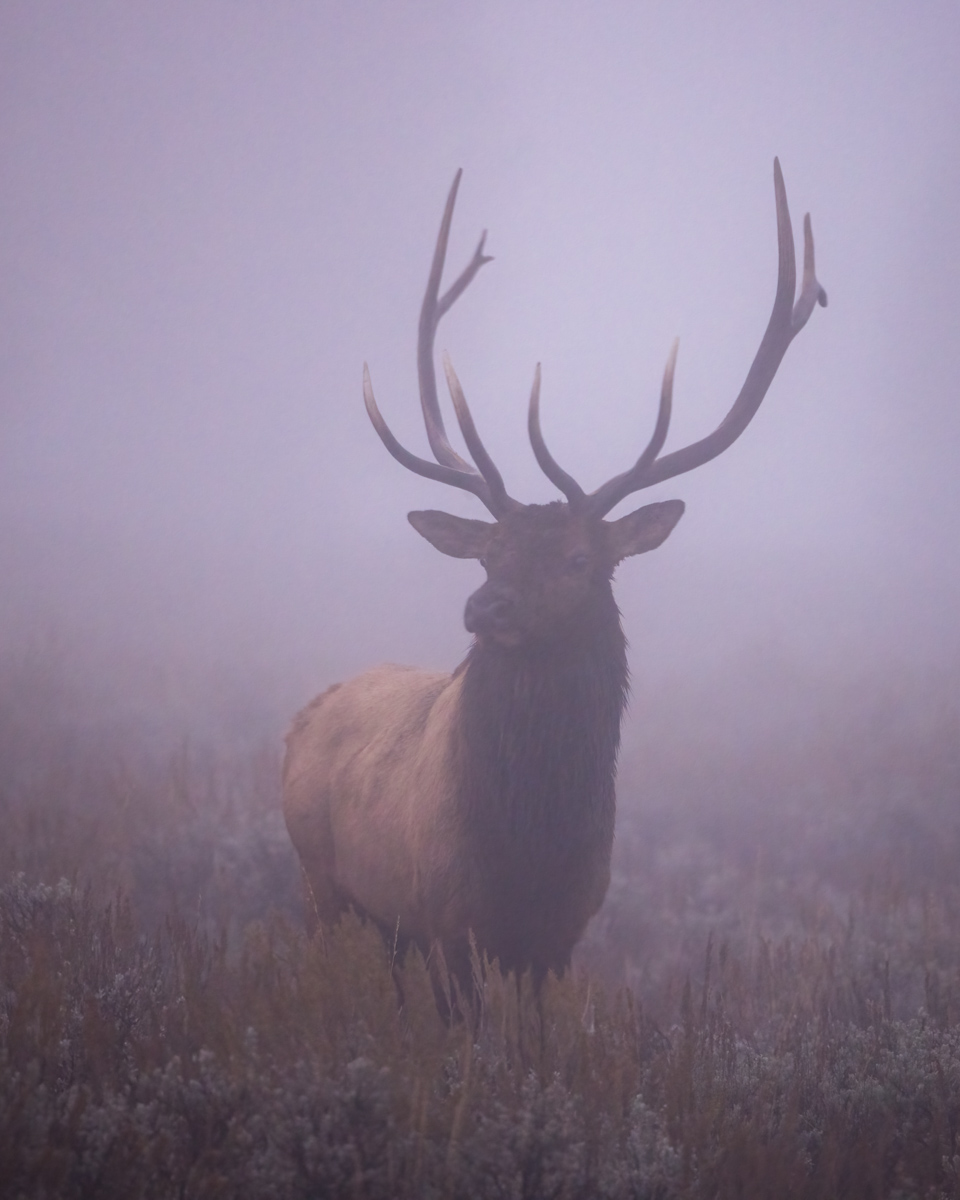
(485, 483)
(786, 321)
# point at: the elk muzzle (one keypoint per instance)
(491, 610)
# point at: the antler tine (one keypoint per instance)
(433, 309)
(485, 463)
(612, 492)
(811, 293)
(550, 467)
(469, 481)
(786, 321)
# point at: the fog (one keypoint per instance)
(213, 214)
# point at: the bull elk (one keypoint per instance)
(484, 800)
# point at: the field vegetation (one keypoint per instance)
(768, 1004)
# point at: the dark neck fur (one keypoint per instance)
(539, 738)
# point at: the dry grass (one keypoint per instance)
(769, 1004)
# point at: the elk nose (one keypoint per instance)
(489, 609)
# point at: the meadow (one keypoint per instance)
(767, 1005)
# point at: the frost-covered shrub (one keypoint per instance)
(790, 929)
(174, 1065)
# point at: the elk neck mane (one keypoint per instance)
(538, 738)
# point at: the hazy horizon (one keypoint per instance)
(213, 215)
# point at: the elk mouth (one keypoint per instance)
(491, 612)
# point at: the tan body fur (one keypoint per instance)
(367, 779)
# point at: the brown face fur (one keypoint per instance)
(544, 563)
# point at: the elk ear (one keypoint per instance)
(456, 536)
(644, 529)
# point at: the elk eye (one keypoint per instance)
(578, 563)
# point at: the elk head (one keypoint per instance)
(547, 563)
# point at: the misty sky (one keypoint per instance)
(214, 213)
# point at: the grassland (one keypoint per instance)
(768, 1005)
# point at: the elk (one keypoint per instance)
(482, 802)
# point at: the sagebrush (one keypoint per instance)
(768, 1005)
